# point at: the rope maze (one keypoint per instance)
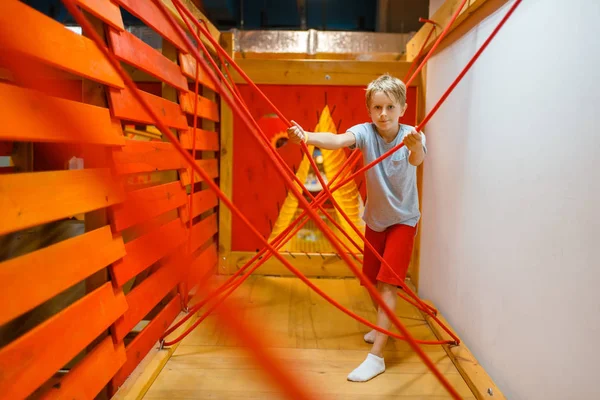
(218, 294)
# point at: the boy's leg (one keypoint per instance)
(398, 250)
(371, 266)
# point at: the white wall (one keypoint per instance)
(511, 199)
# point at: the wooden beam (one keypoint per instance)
(480, 383)
(472, 13)
(226, 164)
(318, 72)
(199, 16)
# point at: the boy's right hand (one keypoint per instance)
(296, 134)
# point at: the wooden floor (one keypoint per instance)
(318, 343)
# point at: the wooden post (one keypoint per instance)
(226, 172)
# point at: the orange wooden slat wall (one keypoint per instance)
(203, 231)
(210, 166)
(31, 199)
(205, 140)
(87, 123)
(125, 106)
(142, 299)
(91, 374)
(202, 201)
(188, 67)
(204, 264)
(31, 279)
(148, 12)
(147, 249)
(105, 10)
(134, 51)
(31, 359)
(205, 109)
(138, 156)
(76, 53)
(148, 337)
(143, 204)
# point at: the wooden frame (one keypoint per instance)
(293, 72)
(472, 14)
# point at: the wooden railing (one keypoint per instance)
(80, 307)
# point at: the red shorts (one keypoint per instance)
(395, 245)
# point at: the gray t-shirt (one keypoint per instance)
(392, 196)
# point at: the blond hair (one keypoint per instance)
(394, 88)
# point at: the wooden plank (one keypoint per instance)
(471, 14)
(49, 42)
(31, 199)
(480, 383)
(104, 10)
(205, 109)
(35, 117)
(141, 205)
(191, 5)
(125, 106)
(205, 140)
(205, 263)
(90, 375)
(30, 360)
(203, 231)
(146, 339)
(188, 67)
(149, 13)
(209, 165)
(226, 172)
(137, 156)
(31, 279)
(202, 201)
(317, 72)
(142, 299)
(128, 48)
(147, 249)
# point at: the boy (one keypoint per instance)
(392, 207)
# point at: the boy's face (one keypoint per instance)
(385, 112)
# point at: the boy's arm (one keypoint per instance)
(414, 143)
(324, 140)
(330, 141)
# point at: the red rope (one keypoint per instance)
(437, 42)
(416, 59)
(265, 98)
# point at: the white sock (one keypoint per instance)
(369, 369)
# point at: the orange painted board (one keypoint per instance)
(137, 156)
(128, 48)
(147, 249)
(204, 264)
(210, 166)
(125, 106)
(148, 337)
(205, 140)
(149, 13)
(203, 231)
(144, 204)
(31, 279)
(50, 42)
(188, 67)
(90, 375)
(205, 109)
(31, 359)
(35, 117)
(202, 201)
(142, 299)
(30, 199)
(105, 10)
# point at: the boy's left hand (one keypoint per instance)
(413, 141)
